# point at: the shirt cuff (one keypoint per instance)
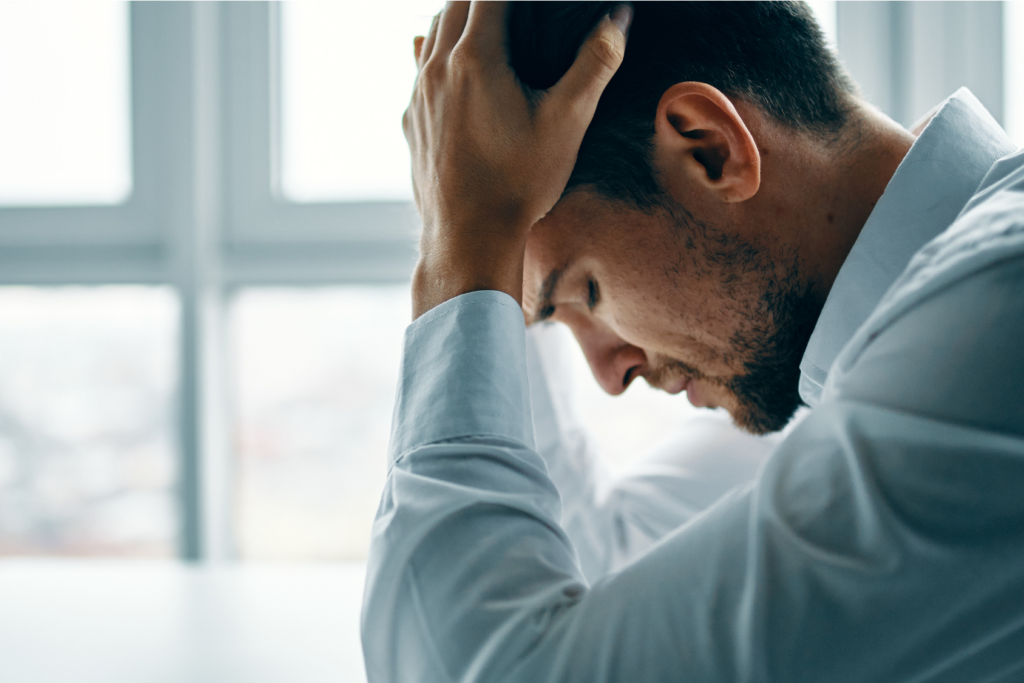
(463, 373)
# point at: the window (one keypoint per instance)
(342, 100)
(314, 373)
(64, 103)
(909, 56)
(86, 456)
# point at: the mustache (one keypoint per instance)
(663, 370)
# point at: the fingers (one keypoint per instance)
(428, 44)
(598, 60)
(417, 47)
(488, 24)
(453, 21)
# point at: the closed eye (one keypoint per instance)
(593, 294)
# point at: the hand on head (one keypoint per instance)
(489, 157)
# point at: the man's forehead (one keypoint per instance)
(557, 236)
(574, 229)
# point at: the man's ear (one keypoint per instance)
(701, 138)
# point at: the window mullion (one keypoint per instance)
(183, 45)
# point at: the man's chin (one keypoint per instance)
(763, 417)
(696, 394)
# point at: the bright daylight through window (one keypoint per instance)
(86, 385)
(314, 379)
(65, 136)
(342, 99)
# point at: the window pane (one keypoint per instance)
(86, 379)
(1013, 69)
(315, 374)
(64, 103)
(343, 91)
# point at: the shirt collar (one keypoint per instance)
(940, 173)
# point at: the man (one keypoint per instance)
(758, 231)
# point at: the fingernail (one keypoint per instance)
(622, 17)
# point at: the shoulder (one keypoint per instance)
(990, 229)
(945, 340)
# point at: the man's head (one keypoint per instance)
(698, 234)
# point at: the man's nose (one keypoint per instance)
(614, 362)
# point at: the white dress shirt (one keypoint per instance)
(882, 540)
(923, 197)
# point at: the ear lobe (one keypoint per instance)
(700, 137)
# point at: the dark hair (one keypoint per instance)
(771, 54)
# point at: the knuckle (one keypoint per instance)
(467, 55)
(606, 50)
(432, 72)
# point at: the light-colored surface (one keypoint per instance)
(148, 622)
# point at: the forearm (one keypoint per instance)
(469, 516)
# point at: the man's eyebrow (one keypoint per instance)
(545, 309)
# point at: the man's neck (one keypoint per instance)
(865, 159)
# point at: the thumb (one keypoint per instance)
(598, 60)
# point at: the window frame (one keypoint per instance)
(266, 235)
(105, 243)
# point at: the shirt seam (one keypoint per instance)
(404, 455)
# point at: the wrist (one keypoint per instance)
(436, 280)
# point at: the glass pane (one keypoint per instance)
(1013, 69)
(315, 375)
(65, 136)
(343, 91)
(86, 461)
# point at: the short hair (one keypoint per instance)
(771, 54)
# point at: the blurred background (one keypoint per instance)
(205, 242)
